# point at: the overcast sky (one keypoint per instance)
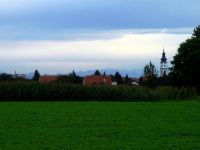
(61, 35)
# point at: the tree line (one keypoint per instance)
(72, 77)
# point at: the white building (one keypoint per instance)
(16, 75)
(114, 83)
(164, 69)
(134, 83)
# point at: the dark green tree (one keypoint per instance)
(36, 75)
(150, 73)
(165, 80)
(150, 70)
(97, 73)
(5, 77)
(73, 74)
(127, 80)
(72, 78)
(196, 33)
(118, 78)
(186, 69)
(141, 80)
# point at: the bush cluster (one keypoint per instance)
(34, 91)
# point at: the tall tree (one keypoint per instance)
(141, 80)
(118, 78)
(185, 69)
(127, 79)
(97, 73)
(150, 73)
(36, 75)
(150, 70)
(73, 74)
(196, 33)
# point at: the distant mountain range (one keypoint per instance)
(30, 75)
(123, 72)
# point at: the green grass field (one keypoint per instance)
(99, 125)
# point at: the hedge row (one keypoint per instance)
(33, 91)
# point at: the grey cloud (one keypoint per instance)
(82, 34)
(57, 18)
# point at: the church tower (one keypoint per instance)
(164, 69)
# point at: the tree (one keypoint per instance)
(73, 74)
(97, 73)
(196, 33)
(118, 78)
(127, 79)
(141, 80)
(72, 78)
(151, 74)
(186, 69)
(5, 77)
(36, 75)
(165, 80)
(150, 70)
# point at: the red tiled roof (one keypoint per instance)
(47, 79)
(97, 80)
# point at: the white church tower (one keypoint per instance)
(164, 69)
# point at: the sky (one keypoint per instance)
(58, 36)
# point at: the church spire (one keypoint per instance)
(163, 59)
(163, 65)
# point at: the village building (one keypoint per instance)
(48, 78)
(164, 69)
(97, 80)
(18, 76)
(134, 83)
(114, 83)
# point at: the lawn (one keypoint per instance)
(99, 125)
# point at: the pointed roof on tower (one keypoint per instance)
(163, 59)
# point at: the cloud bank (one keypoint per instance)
(52, 56)
(57, 19)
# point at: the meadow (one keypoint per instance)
(100, 125)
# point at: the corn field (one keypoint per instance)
(34, 91)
